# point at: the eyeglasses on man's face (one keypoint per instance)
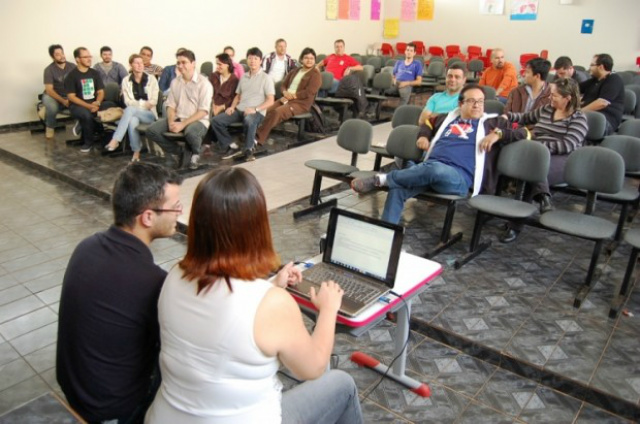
(473, 102)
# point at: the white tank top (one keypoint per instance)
(212, 369)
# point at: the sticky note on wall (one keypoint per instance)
(587, 26)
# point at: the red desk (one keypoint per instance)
(414, 273)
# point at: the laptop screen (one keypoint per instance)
(365, 245)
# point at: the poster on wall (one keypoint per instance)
(343, 9)
(425, 10)
(375, 10)
(354, 10)
(524, 10)
(332, 10)
(391, 28)
(587, 26)
(491, 7)
(408, 10)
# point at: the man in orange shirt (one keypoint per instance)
(502, 75)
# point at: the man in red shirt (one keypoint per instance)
(339, 64)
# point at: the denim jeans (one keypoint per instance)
(52, 108)
(193, 134)
(406, 183)
(221, 122)
(87, 120)
(131, 118)
(332, 398)
(404, 93)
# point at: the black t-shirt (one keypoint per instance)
(85, 85)
(108, 332)
(611, 88)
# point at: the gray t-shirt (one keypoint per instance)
(254, 90)
(54, 75)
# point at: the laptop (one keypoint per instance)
(361, 255)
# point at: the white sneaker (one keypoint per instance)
(49, 132)
(234, 146)
(77, 129)
(194, 161)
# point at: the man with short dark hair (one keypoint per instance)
(407, 74)
(604, 92)
(535, 92)
(188, 108)
(564, 69)
(254, 95)
(54, 98)
(454, 161)
(109, 70)
(279, 63)
(108, 332)
(169, 73)
(501, 75)
(339, 64)
(150, 68)
(85, 91)
(447, 100)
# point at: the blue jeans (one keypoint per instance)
(193, 134)
(52, 108)
(332, 398)
(87, 120)
(334, 86)
(406, 183)
(221, 122)
(131, 118)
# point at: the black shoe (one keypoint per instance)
(509, 235)
(545, 203)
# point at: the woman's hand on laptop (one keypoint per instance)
(328, 298)
(289, 275)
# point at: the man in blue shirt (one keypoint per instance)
(454, 159)
(406, 75)
(447, 100)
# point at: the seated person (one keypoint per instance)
(238, 69)
(560, 126)
(604, 92)
(85, 91)
(564, 69)
(188, 107)
(447, 100)
(152, 69)
(169, 73)
(502, 75)
(109, 70)
(454, 162)
(339, 64)
(535, 92)
(54, 98)
(227, 372)
(279, 63)
(299, 90)
(254, 95)
(407, 73)
(140, 94)
(224, 84)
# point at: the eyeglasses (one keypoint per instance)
(474, 102)
(177, 209)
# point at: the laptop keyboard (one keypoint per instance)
(353, 289)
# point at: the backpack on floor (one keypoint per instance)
(315, 124)
(351, 87)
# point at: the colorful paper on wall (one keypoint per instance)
(354, 10)
(332, 10)
(408, 11)
(425, 10)
(375, 10)
(391, 28)
(524, 10)
(343, 9)
(491, 7)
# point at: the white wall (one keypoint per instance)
(28, 27)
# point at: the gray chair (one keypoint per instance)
(595, 170)
(636, 89)
(390, 62)
(493, 106)
(630, 127)
(320, 58)
(387, 69)
(630, 101)
(354, 136)
(476, 66)
(359, 58)
(632, 237)
(432, 75)
(368, 71)
(376, 62)
(628, 77)
(489, 93)
(112, 93)
(597, 125)
(206, 68)
(403, 115)
(381, 82)
(339, 104)
(526, 162)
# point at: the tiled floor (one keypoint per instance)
(509, 310)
